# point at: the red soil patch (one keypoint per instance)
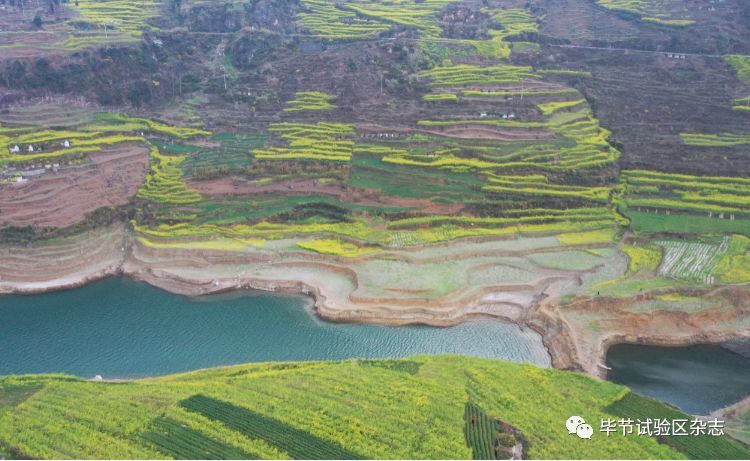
(238, 187)
(64, 198)
(478, 131)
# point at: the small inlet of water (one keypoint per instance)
(697, 379)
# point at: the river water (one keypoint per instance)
(697, 379)
(119, 328)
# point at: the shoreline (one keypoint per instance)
(196, 273)
(319, 309)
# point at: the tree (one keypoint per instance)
(37, 21)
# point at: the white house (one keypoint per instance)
(15, 149)
(31, 148)
(66, 143)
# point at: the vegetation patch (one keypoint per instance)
(320, 141)
(633, 407)
(642, 258)
(182, 442)
(715, 140)
(335, 410)
(484, 434)
(326, 18)
(164, 183)
(741, 65)
(460, 75)
(734, 266)
(716, 197)
(296, 442)
(692, 261)
(310, 101)
(548, 108)
(661, 12)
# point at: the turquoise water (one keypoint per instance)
(697, 379)
(119, 328)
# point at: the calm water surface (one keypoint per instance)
(119, 328)
(697, 379)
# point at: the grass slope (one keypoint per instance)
(413, 408)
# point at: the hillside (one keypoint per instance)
(413, 408)
(402, 162)
(577, 167)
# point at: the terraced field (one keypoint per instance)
(700, 203)
(667, 12)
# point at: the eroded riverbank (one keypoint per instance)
(518, 280)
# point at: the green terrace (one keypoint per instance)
(715, 140)
(684, 203)
(662, 12)
(21, 146)
(310, 101)
(319, 141)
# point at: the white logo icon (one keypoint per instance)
(585, 431)
(577, 425)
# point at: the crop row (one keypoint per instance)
(527, 217)
(321, 141)
(709, 194)
(464, 74)
(412, 409)
(419, 15)
(111, 122)
(691, 261)
(715, 140)
(324, 17)
(548, 108)
(660, 12)
(127, 18)
(164, 183)
(545, 189)
(182, 442)
(310, 101)
(298, 443)
(514, 21)
(480, 431)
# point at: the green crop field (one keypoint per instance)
(514, 21)
(320, 141)
(164, 183)
(666, 12)
(460, 75)
(372, 408)
(716, 198)
(692, 261)
(231, 156)
(24, 147)
(481, 432)
(299, 444)
(633, 406)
